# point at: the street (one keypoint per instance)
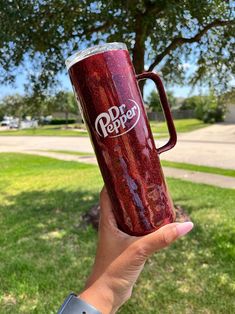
(211, 146)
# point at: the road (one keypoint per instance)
(210, 146)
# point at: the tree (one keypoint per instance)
(228, 97)
(38, 105)
(39, 35)
(2, 111)
(16, 106)
(209, 109)
(20, 106)
(191, 102)
(64, 102)
(154, 103)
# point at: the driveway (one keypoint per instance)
(210, 146)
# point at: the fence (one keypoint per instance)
(177, 114)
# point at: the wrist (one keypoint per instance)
(100, 296)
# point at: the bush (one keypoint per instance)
(190, 103)
(154, 102)
(209, 109)
(1, 116)
(62, 121)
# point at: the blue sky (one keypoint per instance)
(179, 91)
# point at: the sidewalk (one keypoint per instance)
(187, 175)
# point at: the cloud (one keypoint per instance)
(186, 66)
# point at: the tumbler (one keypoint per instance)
(110, 101)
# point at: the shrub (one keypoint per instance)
(62, 121)
(209, 109)
(154, 102)
(190, 103)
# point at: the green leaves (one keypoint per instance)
(41, 34)
(37, 105)
(209, 108)
(154, 101)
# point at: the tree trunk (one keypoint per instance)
(139, 48)
(66, 118)
(20, 122)
(20, 114)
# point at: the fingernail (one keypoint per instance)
(184, 228)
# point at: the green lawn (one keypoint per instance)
(215, 170)
(183, 125)
(46, 253)
(69, 152)
(49, 130)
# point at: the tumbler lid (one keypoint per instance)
(82, 54)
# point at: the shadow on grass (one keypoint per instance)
(47, 253)
(35, 212)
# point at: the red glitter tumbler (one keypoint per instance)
(106, 87)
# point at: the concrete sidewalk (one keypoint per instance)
(188, 175)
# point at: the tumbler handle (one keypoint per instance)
(166, 109)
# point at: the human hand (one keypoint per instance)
(120, 258)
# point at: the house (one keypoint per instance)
(230, 114)
(229, 100)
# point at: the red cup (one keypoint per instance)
(106, 87)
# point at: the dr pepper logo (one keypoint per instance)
(114, 122)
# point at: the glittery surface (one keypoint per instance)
(125, 150)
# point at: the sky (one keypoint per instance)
(178, 91)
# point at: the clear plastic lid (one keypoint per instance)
(80, 55)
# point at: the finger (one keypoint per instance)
(106, 212)
(163, 237)
(107, 218)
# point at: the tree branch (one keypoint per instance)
(94, 29)
(99, 28)
(179, 41)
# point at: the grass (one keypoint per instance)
(183, 125)
(46, 252)
(49, 130)
(207, 169)
(69, 152)
(166, 163)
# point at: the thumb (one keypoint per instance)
(164, 237)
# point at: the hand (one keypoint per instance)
(120, 258)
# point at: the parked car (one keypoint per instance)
(10, 122)
(29, 124)
(14, 124)
(4, 123)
